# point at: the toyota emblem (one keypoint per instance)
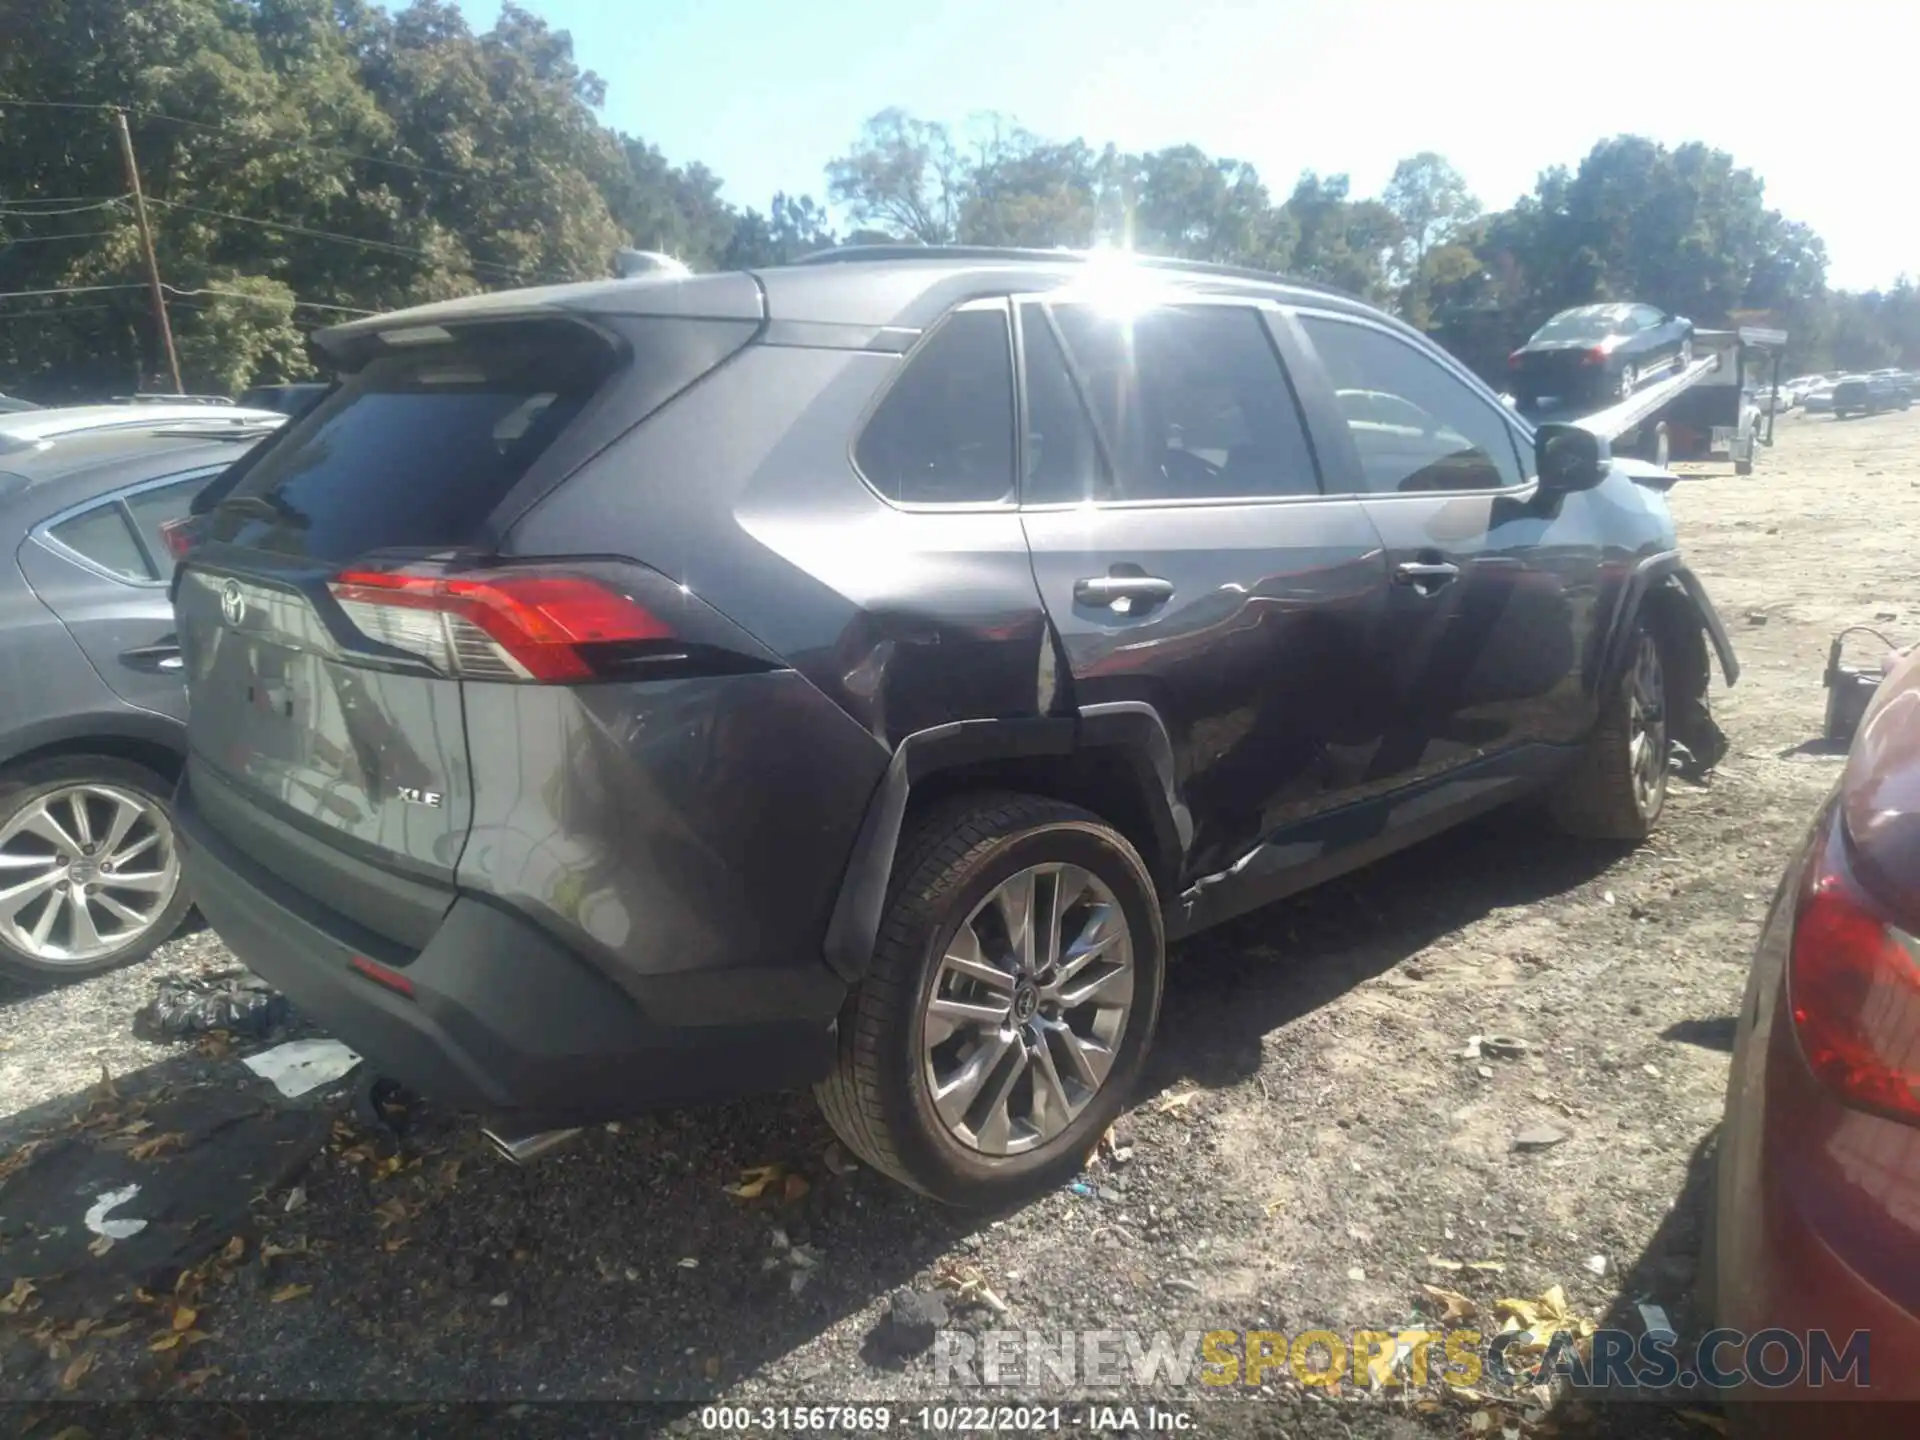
(233, 602)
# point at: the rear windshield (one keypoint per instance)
(1594, 323)
(418, 448)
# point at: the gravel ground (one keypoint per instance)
(1311, 1145)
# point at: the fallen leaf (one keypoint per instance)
(1178, 1102)
(271, 1251)
(1524, 1311)
(290, 1292)
(387, 1167)
(711, 1367)
(166, 1340)
(136, 1128)
(106, 1082)
(754, 1181)
(1554, 1303)
(1487, 1267)
(74, 1373)
(100, 1244)
(18, 1158)
(74, 1432)
(184, 1316)
(1439, 1264)
(15, 1299)
(1455, 1306)
(392, 1211)
(796, 1188)
(395, 1245)
(194, 1379)
(111, 1332)
(235, 1251)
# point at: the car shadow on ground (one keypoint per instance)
(622, 1267)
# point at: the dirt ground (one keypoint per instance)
(1312, 1143)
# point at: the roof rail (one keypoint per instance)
(852, 254)
(156, 398)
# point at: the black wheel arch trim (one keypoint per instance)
(1133, 728)
(1653, 572)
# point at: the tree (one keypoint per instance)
(1430, 201)
(903, 177)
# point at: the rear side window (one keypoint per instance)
(122, 536)
(103, 536)
(1193, 403)
(943, 433)
(417, 449)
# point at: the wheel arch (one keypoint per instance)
(149, 740)
(1670, 598)
(1115, 760)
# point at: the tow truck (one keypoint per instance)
(1698, 411)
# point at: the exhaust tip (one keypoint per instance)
(525, 1149)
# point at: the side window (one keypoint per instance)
(1193, 403)
(153, 508)
(943, 434)
(1645, 317)
(1442, 435)
(105, 537)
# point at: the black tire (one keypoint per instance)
(23, 784)
(949, 861)
(1598, 798)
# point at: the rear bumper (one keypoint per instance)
(500, 1018)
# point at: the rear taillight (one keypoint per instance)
(1853, 982)
(533, 623)
(1516, 360)
(177, 536)
(1595, 356)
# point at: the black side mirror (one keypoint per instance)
(1568, 458)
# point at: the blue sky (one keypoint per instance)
(1813, 97)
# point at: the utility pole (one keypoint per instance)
(146, 243)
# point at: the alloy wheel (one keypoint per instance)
(1647, 725)
(1027, 1009)
(85, 870)
(1627, 379)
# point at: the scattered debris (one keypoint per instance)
(99, 1224)
(1503, 1047)
(1487, 1267)
(1597, 1264)
(687, 1262)
(501, 1301)
(234, 1001)
(289, 1292)
(1453, 1305)
(969, 1287)
(1540, 1137)
(837, 1160)
(913, 1318)
(1178, 1102)
(296, 1197)
(302, 1065)
(1356, 1273)
(1117, 1143)
(16, 1299)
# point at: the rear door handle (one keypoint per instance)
(1123, 594)
(1426, 576)
(164, 657)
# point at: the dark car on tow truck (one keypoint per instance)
(1596, 354)
(856, 673)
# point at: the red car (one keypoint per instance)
(1817, 1217)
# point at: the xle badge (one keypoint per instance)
(428, 798)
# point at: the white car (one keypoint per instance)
(36, 429)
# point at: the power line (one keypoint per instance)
(268, 299)
(387, 246)
(171, 290)
(98, 106)
(8, 240)
(7, 208)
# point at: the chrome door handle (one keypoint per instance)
(1425, 576)
(1122, 594)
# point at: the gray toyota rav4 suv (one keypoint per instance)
(856, 674)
